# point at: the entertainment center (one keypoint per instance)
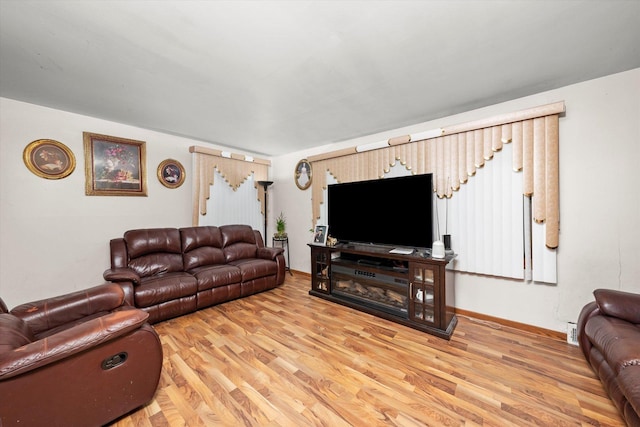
(385, 269)
(413, 289)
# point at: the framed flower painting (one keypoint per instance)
(114, 166)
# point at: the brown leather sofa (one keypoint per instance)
(609, 336)
(80, 359)
(168, 272)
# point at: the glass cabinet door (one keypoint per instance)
(422, 307)
(320, 260)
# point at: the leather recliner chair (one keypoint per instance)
(609, 336)
(82, 358)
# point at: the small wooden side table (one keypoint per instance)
(283, 242)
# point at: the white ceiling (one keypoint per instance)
(273, 77)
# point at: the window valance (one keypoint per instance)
(458, 152)
(235, 168)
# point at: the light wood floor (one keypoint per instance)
(284, 358)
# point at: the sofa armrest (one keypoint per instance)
(126, 278)
(269, 253)
(70, 341)
(121, 274)
(588, 311)
(129, 297)
(49, 313)
(623, 305)
(259, 241)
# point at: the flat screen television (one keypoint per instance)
(389, 211)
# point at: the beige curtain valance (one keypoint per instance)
(234, 168)
(457, 153)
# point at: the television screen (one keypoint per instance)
(389, 211)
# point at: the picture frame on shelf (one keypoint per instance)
(171, 173)
(320, 235)
(303, 174)
(49, 159)
(114, 166)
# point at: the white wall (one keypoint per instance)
(599, 242)
(54, 239)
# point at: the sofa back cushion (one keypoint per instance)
(14, 332)
(238, 242)
(620, 304)
(154, 251)
(201, 246)
(46, 316)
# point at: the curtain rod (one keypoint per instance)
(531, 113)
(228, 155)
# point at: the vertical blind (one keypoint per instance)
(233, 205)
(235, 169)
(455, 159)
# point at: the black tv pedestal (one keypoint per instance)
(414, 290)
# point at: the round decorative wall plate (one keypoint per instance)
(171, 173)
(49, 159)
(303, 174)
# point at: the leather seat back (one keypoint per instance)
(201, 246)
(154, 251)
(238, 242)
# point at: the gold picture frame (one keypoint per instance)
(114, 166)
(303, 174)
(49, 159)
(171, 173)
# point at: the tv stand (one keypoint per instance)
(414, 289)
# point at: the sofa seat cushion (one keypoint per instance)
(616, 339)
(213, 276)
(254, 268)
(164, 287)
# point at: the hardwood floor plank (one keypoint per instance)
(284, 358)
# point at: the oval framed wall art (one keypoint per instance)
(303, 174)
(171, 173)
(49, 159)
